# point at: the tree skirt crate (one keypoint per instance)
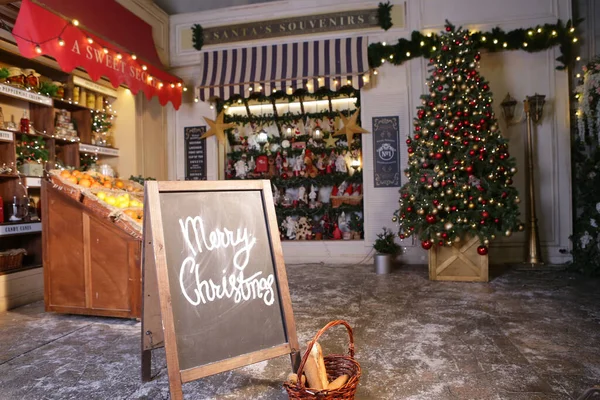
(458, 263)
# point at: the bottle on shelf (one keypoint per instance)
(1, 119)
(25, 123)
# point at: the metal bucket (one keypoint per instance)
(383, 264)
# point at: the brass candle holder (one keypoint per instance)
(533, 107)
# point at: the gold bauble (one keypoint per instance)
(428, 113)
(436, 184)
(521, 227)
(429, 187)
(438, 234)
(447, 208)
(493, 237)
(463, 87)
(420, 211)
(434, 211)
(440, 173)
(473, 226)
(436, 168)
(412, 197)
(459, 78)
(449, 191)
(508, 233)
(431, 123)
(459, 102)
(457, 239)
(451, 94)
(480, 199)
(492, 201)
(439, 206)
(471, 205)
(494, 128)
(464, 187)
(513, 170)
(394, 219)
(486, 242)
(517, 199)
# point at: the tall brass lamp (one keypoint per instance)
(533, 107)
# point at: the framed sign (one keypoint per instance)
(195, 153)
(386, 146)
(215, 286)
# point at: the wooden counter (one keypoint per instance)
(91, 266)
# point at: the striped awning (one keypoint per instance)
(330, 63)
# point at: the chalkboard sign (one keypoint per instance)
(195, 153)
(386, 147)
(223, 295)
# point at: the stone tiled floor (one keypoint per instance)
(523, 336)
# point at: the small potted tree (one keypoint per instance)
(386, 251)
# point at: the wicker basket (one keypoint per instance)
(68, 188)
(97, 206)
(11, 259)
(129, 225)
(336, 365)
(337, 201)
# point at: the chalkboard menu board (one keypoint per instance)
(223, 289)
(195, 153)
(386, 146)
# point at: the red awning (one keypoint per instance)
(122, 47)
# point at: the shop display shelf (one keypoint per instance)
(9, 176)
(24, 94)
(71, 106)
(33, 181)
(21, 269)
(20, 228)
(99, 150)
(7, 135)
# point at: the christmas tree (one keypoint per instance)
(459, 168)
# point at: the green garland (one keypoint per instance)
(319, 181)
(287, 118)
(48, 89)
(197, 36)
(283, 212)
(384, 15)
(539, 38)
(534, 39)
(31, 149)
(319, 94)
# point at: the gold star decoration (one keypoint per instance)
(350, 127)
(330, 141)
(217, 127)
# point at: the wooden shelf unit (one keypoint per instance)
(42, 112)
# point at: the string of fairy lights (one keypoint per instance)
(119, 56)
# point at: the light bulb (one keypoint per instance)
(90, 40)
(61, 42)
(133, 56)
(75, 22)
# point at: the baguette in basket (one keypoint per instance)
(312, 378)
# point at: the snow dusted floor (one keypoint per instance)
(523, 336)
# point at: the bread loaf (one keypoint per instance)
(338, 382)
(321, 365)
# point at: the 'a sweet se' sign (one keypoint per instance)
(223, 289)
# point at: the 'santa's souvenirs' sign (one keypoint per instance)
(212, 254)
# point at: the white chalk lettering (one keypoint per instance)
(233, 286)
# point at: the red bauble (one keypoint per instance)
(484, 202)
(409, 209)
(422, 179)
(417, 128)
(444, 235)
(443, 183)
(482, 250)
(431, 104)
(439, 156)
(445, 98)
(404, 195)
(425, 165)
(482, 222)
(284, 175)
(477, 56)
(440, 88)
(504, 195)
(410, 150)
(453, 208)
(445, 48)
(448, 28)
(485, 87)
(472, 153)
(401, 236)
(496, 220)
(469, 169)
(435, 202)
(438, 116)
(446, 143)
(408, 141)
(441, 243)
(430, 219)
(417, 137)
(426, 244)
(436, 137)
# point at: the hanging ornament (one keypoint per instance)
(426, 244)
(482, 250)
(350, 127)
(330, 142)
(217, 128)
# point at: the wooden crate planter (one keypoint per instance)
(458, 263)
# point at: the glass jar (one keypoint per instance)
(31, 78)
(91, 100)
(60, 92)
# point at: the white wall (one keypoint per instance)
(396, 92)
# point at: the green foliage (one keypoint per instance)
(48, 89)
(3, 73)
(197, 36)
(356, 222)
(460, 173)
(535, 39)
(101, 122)
(319, 94)
(87, 161)
(31, 149)
(385, 244)
(384, 15)
(140, 179)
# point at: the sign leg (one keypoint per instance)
(146, 365)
